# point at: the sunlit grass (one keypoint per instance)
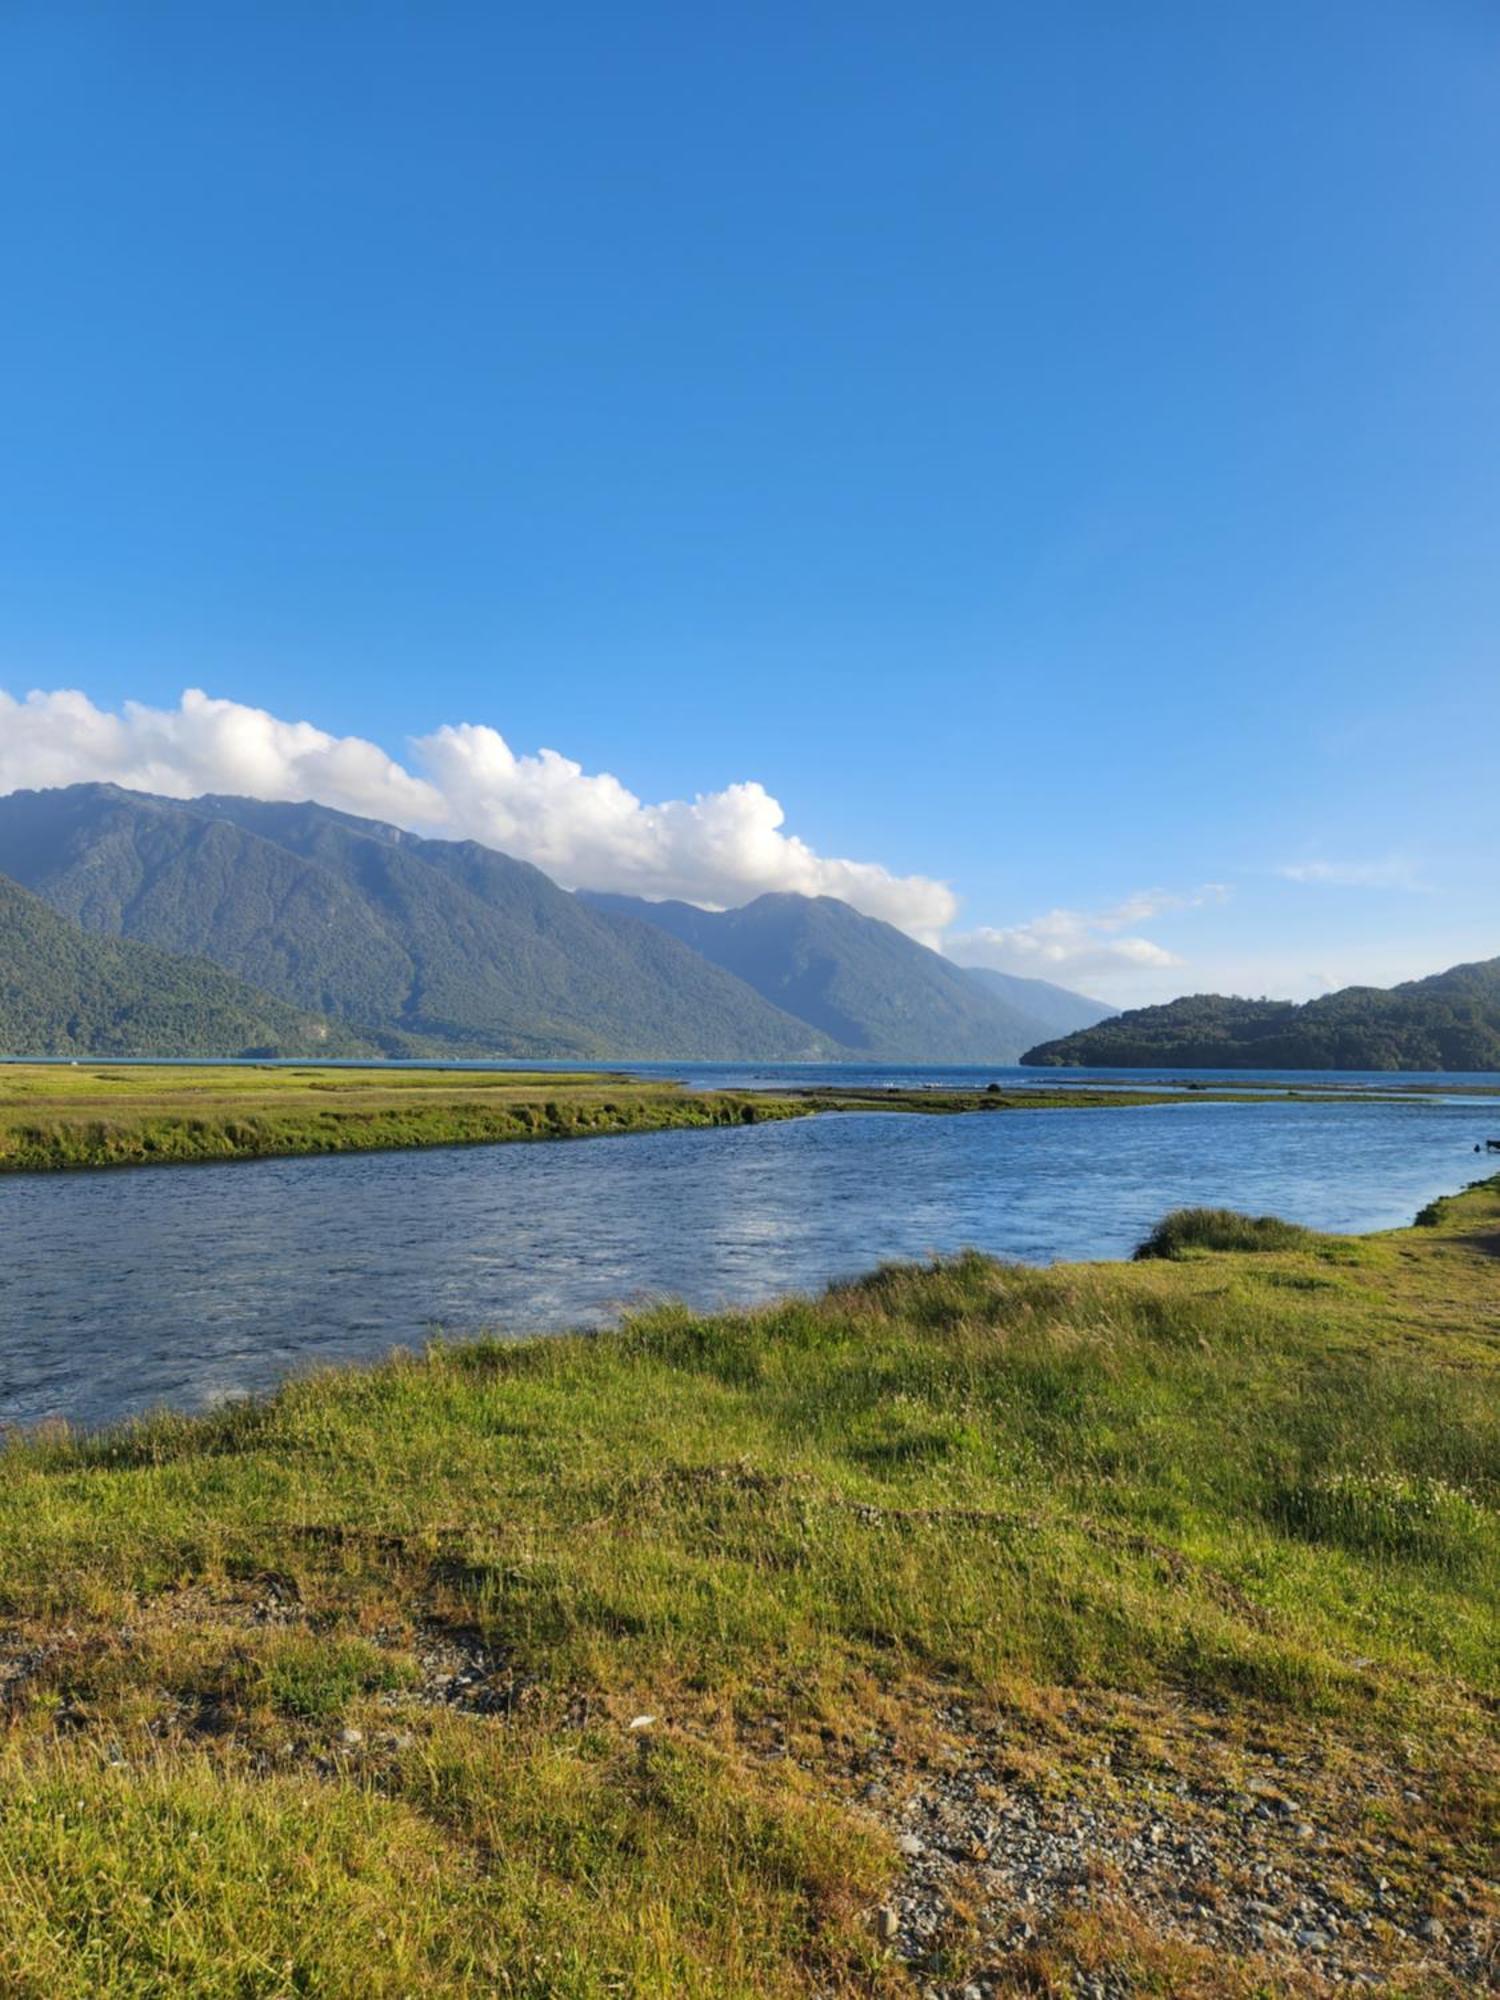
(1268, 1479)
(102, 1115)
(70, 1115)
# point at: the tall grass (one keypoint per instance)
(1188, 1229)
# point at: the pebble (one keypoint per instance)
(1019, 1860)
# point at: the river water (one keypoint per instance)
(185, 1285)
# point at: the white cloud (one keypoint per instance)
(1063, 944)
(1069, 945)
(1395, 872)
(586, 829)
(1148, 903)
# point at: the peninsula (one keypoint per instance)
(61, 1115)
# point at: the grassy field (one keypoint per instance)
(1096, 1630)
(101, 1115)
(98, 1115)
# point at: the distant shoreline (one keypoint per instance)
(64, 1116)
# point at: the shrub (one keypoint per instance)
(1187, 1229)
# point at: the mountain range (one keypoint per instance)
(131, 924)
(378, 940)
(1450, 1021)
(1060, 1010)
(869, 988)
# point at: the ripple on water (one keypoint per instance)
(185, 1285)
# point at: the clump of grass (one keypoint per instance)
(1189, 1229)
(486, 1869)
(1446, 1206)
(314, 1679)
(1413, 1518)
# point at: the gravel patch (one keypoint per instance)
(1013, 1857)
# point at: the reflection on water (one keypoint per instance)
(185, 1285)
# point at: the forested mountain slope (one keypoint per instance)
(860, 982)
(422, 945)
(1057, 1010)
(65, 992)
(1450, 1021)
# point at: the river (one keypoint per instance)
(185, 1285)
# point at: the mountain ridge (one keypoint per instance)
(868, 986)
(424, 947)
(1059, 1008)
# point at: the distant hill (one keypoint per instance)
(65, 993)
(1450, 1021)
(420, 946)
(863, 984)
(1057, 1010)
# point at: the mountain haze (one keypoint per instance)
(1450, 1021)
(66, 993)
(868, 987)
(1057, 1010)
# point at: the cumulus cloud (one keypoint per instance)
(1395, 872)
(585, 829)
(1069, 945)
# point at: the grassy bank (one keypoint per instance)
(103, 1116)
(55, 1116)
(996, 1626)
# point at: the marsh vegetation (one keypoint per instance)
(106, 1115)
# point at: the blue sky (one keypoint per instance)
(1054, 451)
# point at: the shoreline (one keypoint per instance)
(61, 1118)
(68, 1117)
(950, 1627)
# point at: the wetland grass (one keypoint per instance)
(56, 1116)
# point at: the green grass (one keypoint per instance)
(99, 1116)
(56, 1116)
(1264, 1485)
(1189, 1229)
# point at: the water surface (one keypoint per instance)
(184, 1285)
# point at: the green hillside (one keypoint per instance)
(65, 993)
(1450, 1021)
